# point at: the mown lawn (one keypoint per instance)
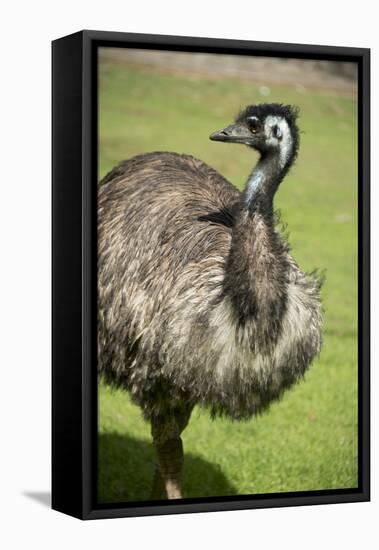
(309, 439)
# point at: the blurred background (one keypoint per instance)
(168, 101)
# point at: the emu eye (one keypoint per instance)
(253, 124)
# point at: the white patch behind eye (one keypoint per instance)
(285, 143)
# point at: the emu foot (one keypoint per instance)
(173, 489)
(167, 477)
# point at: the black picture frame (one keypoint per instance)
(74, 174)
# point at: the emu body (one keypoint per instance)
(199, 298)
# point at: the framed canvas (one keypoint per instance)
(210, 275)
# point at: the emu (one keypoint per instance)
(199, 300)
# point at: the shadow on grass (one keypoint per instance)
(126, 468)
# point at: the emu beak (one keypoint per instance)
(236, 133)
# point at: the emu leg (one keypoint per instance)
(170, 460)
(166, 430)
(158, 490)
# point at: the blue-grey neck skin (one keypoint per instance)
(264, 181)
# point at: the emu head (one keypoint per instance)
(268, 127)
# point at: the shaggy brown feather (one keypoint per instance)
(175, 296)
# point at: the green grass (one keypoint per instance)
(308, 440)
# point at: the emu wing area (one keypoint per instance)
(164, 232)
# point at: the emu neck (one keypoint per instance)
(257, 266)
(264, 181)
